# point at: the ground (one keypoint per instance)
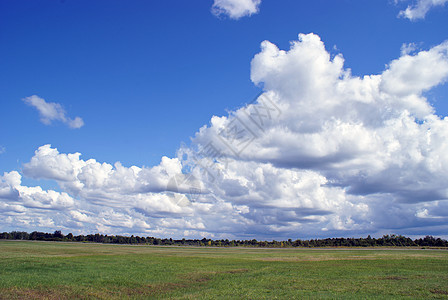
(56, 270)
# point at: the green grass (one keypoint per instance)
(55, 270)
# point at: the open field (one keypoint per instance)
(58, 270)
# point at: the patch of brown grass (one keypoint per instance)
(394, 278)
(185, 281)
(235, 271)
(49, 294)
(317, 258)
(439, 292)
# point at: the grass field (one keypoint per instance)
(56, 270)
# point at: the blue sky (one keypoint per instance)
(144, 76)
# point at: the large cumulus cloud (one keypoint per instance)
(369, 135)
(374, 141)
(320, 153)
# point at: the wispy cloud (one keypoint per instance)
(235, 9)
(52, 111)
(420, 9)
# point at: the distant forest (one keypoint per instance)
(385, 241)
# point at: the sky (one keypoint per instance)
(235, 119)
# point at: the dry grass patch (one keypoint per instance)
(48, 294)
(394, 278)
(439, 292)
(317, 258)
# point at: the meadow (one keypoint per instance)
(58, 270)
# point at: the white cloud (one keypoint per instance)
(31, 207)
(2, 149)
(13, 192)
(320, 153)
(51, 111)
(408, 48)
(420, 9)
(373, 139)
(414, 74)
(94, 180)
(235, 9)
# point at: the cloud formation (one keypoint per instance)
(30, 207)
(52, 111)
(320, 153)
(235, 9)
(420, 9)
(373, 140)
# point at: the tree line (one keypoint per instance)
(384, 241)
